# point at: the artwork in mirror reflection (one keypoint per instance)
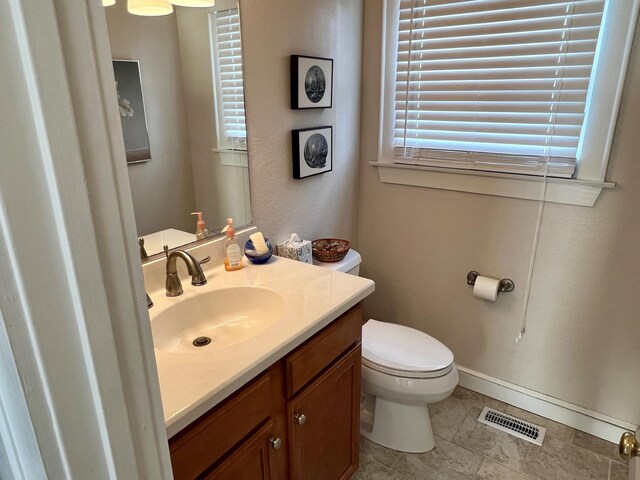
(131, 108)
(191, 74)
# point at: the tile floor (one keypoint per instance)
(466, 449)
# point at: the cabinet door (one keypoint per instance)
(208, 439)
(324, 424)
(251, 460)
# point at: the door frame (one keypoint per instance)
(80, 396)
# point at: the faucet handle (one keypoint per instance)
(143, 252)
(166, 250)
(204, 260)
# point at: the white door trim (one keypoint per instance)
(72, 303)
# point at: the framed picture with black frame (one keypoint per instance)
(311, 82)
(312, 151)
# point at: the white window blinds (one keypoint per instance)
(499, 85)
(228, 61)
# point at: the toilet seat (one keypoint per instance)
(403, 351)
(404, 373)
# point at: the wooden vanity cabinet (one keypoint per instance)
(232, 435)
(325, 445)
(300, 419)
(249, 461)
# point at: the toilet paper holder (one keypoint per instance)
(505, 285)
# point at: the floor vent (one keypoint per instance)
(512, 425)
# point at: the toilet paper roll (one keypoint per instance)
(486, 288)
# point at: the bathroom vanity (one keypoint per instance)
(276, 393)
(298, 419)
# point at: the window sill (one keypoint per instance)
(234, 158)
(559, 190)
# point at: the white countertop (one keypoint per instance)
(155, 242)
(192, 383)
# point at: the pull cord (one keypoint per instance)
(534, 253)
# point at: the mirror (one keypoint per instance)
(190, 78)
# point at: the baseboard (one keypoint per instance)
(595, 423)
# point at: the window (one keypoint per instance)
(229, 90)
(516, 87)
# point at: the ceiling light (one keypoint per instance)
(150, 8)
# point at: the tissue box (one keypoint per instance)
(300, 250)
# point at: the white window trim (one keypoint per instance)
(607, 82)
(224, 144)
(233, 158)
(229, 156)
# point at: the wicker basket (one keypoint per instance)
(330, 249)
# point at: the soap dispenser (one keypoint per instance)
(232, 250)
(201, 227)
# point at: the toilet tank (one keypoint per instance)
(349, 264)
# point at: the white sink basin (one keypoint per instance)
(226, 316)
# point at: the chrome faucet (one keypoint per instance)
(172, 284)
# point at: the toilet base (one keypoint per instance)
(406, 428)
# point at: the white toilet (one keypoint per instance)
(403, 370)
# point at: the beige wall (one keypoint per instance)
(324, 205)
(583, 332)
(162, 188)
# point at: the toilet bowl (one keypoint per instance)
(403, 371)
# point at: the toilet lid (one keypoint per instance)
(402, 348)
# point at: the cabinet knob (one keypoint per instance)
(275, 442)
(300, 418)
